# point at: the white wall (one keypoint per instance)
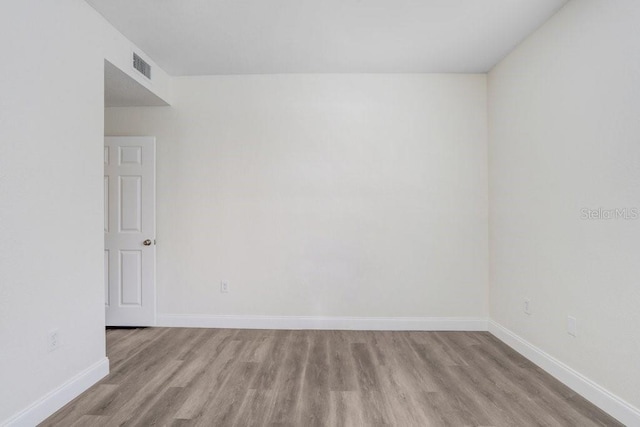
(51, 237)
(565, 135)
(320, 195)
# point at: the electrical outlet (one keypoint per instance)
(54, 340)
(572, 326)
(224, 287)
(527, 307)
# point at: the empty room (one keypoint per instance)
(320, 213)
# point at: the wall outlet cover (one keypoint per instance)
(53, 342)
(572, 326)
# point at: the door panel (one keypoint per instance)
(129, 206)
(106, 204)
(131, 277)
(130, 296)
(106, 278)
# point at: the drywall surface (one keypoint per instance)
(565, 150)
(320, 195)
(51, 196)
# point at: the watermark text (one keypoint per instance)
(628, 214)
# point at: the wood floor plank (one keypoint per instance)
(134, 398)
(315, 386)
(120, 350)
(210, 383)
(89, 420)
(221, 377)
(458, 400)
(372, 395)
(224, 408)
(82, 405)
(256, 408)
(272, 361)
(289, 382)
(163, 409)
(345, 409)
(342, 374)
(399, 395)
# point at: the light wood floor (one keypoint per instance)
(223, 377)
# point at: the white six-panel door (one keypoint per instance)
(129, 231)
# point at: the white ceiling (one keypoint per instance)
(203, 37)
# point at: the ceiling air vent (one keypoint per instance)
(142, 66)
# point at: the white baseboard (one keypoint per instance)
(60, 396)
(596, 394)
(327, 323)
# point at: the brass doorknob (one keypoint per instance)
(147, 242)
